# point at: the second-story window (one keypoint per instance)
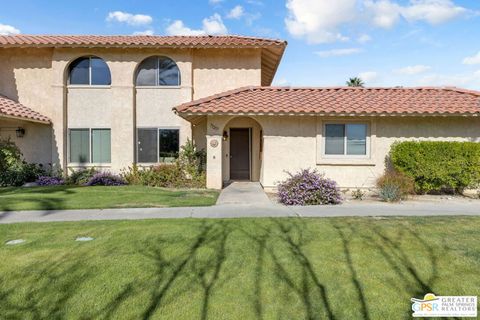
(89, 71)
(158, 71)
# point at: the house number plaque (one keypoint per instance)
(214, 143)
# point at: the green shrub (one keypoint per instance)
(394, 186)
(358, 194)
(188, 171)
(14, 171)
(437, 165)
(10, 155)
(81, 176)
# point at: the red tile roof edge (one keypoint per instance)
(15, 110)
(26, 40)
(187, 108)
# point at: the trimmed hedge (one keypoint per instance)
(438, 165)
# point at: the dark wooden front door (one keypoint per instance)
(240, 154)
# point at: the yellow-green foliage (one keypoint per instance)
(438, 165)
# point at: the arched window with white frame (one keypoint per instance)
(158, 71)
(89, 71)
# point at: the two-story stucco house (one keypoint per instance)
(110, 101)
(106, 101)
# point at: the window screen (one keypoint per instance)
(89, 71)
(334, 139)
(101, 146)
(346, 139)
(100, 72)
(169, 144)
(147, 72)
(80, 71)
(158, 71)
(168, 73)
(147, 145)
(79, 146)
(356, 139)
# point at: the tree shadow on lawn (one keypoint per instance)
(42, 289)
(290, 267)
(40, 196)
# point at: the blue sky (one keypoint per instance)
(386, 42)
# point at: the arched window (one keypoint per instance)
(158, 71)
(90, 71)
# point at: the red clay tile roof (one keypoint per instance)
(136, 41)
(12, 109)
(340, 101)
(272, 49)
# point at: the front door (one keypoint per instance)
(240, 154)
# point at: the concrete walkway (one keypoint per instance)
(250, 193)
(349, 209)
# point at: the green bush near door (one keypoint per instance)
(438, 166)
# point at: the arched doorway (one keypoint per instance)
(242, 150)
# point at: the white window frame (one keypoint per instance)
(157, 144)
(157, 77)
(367, 154)
(90, 148)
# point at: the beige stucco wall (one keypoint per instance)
(295, 142)
(38, 79)
(35, 145)
(218, 70)
(26, 76)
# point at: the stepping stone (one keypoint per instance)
(83, 239)
(16, 241)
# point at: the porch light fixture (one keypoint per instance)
(20, 132)
(225, 135)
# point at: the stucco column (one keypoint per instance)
(123, 127)
(214, 155)
(59, 133)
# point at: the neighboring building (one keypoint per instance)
(259, 133)
(106, 101)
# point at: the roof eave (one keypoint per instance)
(188, 115)
(2, 115)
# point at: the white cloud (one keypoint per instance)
(6, 30)
(412, 70)
(386, 13)
(128, 18)
(212, 25)
(432, 11)
(143, 33)
(325, 21)
(466, 80)
(473, 59)
(364, 38)
(338, 52)
(319, 21)
(281, 82)
(178, 28)
(236, 13)
(368, 76)
(214, 1)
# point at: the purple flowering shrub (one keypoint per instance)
(105, 179)
(308, 187)
(50, 181)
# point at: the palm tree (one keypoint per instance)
(355, 82)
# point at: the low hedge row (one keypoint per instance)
(438, 165)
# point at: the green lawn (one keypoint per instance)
(75, 197)
(292, 268)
